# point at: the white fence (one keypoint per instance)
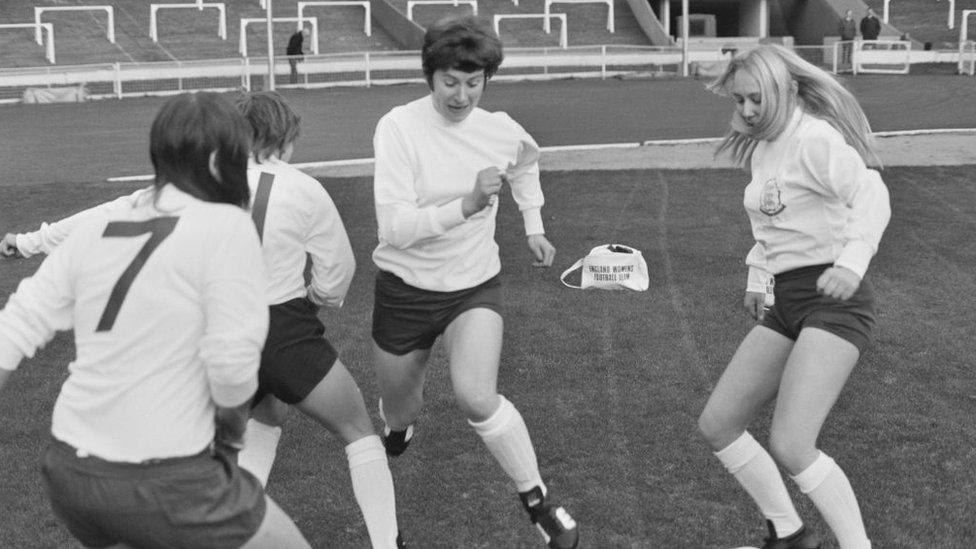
(353, 69)
(369, 68)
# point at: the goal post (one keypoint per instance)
(109, 13)
(219, 6)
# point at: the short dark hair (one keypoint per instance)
(464, 43)
(187, 130)
(274, 125)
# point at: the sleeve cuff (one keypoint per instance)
(450, 214)
(24, 246)
(758, 280)
(230, 396)
(10, 354)
(856, 256)
(532, 218)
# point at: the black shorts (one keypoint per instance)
(203, 500)
(296, 355)
(406, 318)
(799, 305)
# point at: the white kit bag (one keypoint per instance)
(611, 267)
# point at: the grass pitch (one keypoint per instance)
(610, 383)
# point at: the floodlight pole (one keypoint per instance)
(684, 37)
(271, 61)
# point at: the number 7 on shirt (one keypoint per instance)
(158, 228)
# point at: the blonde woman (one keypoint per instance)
(817, 214)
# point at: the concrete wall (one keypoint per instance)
(407, 34)
(649, 23)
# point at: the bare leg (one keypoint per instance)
(276, 530)
(749, 382)
(401, 382)
(337, 403)
(261, 437)
(815, 374)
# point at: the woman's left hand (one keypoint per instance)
(542, 249)
(838, 283)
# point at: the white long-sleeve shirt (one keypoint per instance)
(45, 239)
(157, 351)
(811, 201)
(300, 217)
(425, 166)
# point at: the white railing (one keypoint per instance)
(317, 71)
(120, 80)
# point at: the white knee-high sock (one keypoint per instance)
(756, 471)
(372, 485)
(260, 449)
(827, 486)
(507, 438)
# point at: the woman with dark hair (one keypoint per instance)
(166, 302)
(295, 219)
(440, 163)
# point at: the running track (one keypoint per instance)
(101, 139)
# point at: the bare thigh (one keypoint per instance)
(815, 373)
(748, 383)
(276, 530)
(474, 346)
(337, 403)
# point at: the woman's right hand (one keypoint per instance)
(755, 305)
(8, 246)
(487, 185)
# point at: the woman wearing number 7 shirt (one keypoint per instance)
(294, 215)
(165, 300)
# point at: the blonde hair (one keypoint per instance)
(785, 79)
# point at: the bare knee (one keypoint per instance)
(477, 405)
(717, 431)
(793, 452)
(270, 411)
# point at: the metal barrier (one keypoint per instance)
(367, 68)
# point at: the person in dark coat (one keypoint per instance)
(870, 26)
(295, 52)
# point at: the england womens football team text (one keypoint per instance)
(190, 298)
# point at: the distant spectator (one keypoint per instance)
(848, 32)
(296, 52)
(870, 26)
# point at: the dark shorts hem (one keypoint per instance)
(798, 305)
(296, 355)
(406, 318)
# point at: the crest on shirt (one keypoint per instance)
(770, 201)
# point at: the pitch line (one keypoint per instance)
(590, 147)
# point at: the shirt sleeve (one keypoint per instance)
(758, 275)
(42, 305)
(839, 171)
(50, 235)
(333, 263)
(524, 180)
(236, 311)
(401, 222)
